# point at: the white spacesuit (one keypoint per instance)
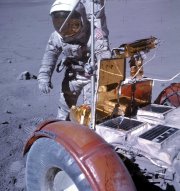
(71, 39)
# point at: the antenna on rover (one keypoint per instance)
(92, 125)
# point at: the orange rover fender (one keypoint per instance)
(170, 95)
(99, 162)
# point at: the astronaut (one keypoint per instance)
(72, 40)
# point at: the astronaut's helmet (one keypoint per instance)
(67, 24)
(68, 18)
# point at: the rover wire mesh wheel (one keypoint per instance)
(170, 96)
(50, 167)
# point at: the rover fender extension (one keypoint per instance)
(98, 161)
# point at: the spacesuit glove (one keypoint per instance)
(45, 87)
(89, 69)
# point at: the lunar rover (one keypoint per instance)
(134, 144)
